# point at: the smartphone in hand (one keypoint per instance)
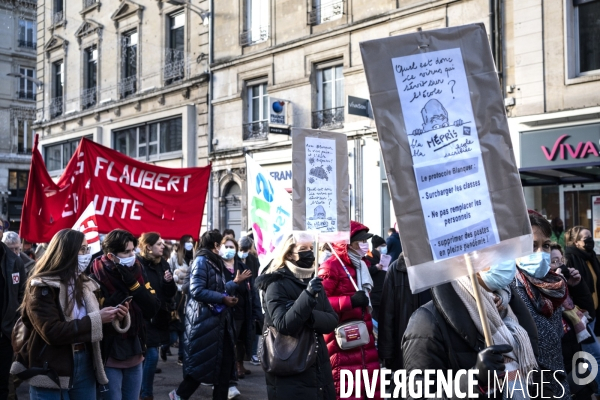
(125, 300)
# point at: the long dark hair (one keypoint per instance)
(60, 260)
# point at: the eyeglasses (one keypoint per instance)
(85, 249)
(557, 261)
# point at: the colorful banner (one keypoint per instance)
(447, 150)
(88, 224)
(269, 211)
(126, 193)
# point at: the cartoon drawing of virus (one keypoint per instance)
(311, 160)
(329, 168)
(311, 180)
(319, 172)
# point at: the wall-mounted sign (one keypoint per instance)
(358, 106)
(279, 131)
(278, 111)
(561, 146)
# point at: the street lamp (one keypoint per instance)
(205, 15)
(38, 83)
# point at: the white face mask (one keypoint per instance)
(128, 261)
(84, 261)
(188, 246)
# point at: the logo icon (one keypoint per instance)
(585, 368)
(278, 106)
(16, 278)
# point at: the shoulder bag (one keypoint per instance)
(284, 355)
(353, 333)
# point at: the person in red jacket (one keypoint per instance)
(350, 304)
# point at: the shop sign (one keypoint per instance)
(358, 106)
(277, 111)
(561, 146)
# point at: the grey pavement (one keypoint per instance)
(252, 387)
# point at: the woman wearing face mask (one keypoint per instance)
(240, 274)
(62, 357)
(544, 292)
(294, 298)
(180, 263)
(157, 273)
(349, 303)
(120, 276)
(580, 255)
(252, 263)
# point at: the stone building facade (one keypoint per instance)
(306, 53)
(131, 75)
(17, 103)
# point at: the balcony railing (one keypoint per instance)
(58, 17)
(256, 130)
(254, 35)
(21, 149)
(56, 107)
(26, 94)
(127, 86)
(88, 98)
(27, 43)
(175, 65)
(89, 3)
(326, 12)
(332, 118)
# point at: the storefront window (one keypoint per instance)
(578, 207)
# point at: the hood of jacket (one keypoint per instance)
(399, 264)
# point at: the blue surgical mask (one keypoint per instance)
(226, 253)
(383, 250)
(242, 254)
(536, 264)
(500, 275)
(325, 256)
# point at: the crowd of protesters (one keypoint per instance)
(89, 326)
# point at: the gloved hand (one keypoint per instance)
(359, 299)
(315, 286)
(491, 359)
(127, 275)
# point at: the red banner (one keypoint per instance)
(127, 194)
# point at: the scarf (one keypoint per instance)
(106, 273)
(579, 319)
(365, 282)
(546, 294)
(505, 330)
(298, 272)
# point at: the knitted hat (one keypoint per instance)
(377, 241)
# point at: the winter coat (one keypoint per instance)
(251, 311)
(28, 263)
(157, 327)
(394, 247)
(339, 289)
(204, 332)
(281, 288)
(378, 277)
(54, 332)
(442, 336)
(398, 304)
(577, 259)
(15, 277)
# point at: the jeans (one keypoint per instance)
(149, 370)
(6, 355)
(173, 337)
(255, 344)
(123, 383)
(84, 382)
(593, 349)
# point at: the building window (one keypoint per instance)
(89, 3)
(257, 22)
(175, 56)
(330, 98)
(24, 136)
(258, 107)
(17, 183)
(27, 34)
(57, 155)
(150, 140)
(58, 76)
(58, 16)
(90, 77)
(26, 87)
(325, 11)
(587, 24)
(129, 44)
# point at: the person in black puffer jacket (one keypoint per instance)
(295, 298)
(209, 329)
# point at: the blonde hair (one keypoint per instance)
(284, 251)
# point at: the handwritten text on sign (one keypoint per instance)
(438, 116)
(321, 196)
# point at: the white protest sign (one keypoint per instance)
(88, 225)
(321, 200)
(435, 100)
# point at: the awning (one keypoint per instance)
(560, 176)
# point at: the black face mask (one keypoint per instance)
(306, 259)
(588, 244)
